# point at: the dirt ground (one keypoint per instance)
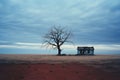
(49, 67)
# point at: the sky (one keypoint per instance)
(92, 22)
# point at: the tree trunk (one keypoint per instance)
(59, 51)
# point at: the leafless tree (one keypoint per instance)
(56, 37)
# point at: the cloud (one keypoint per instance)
(39, 46)
(92, 22)
(29, 44)
(20, 45)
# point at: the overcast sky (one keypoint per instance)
(93, 23)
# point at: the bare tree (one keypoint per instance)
(56, 37)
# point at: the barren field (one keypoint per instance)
(107, 62)
(53, 58)
(51, 67)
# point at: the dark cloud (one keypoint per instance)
(92, 22)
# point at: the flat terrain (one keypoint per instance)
(51, 67)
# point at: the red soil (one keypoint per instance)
(63, 71)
